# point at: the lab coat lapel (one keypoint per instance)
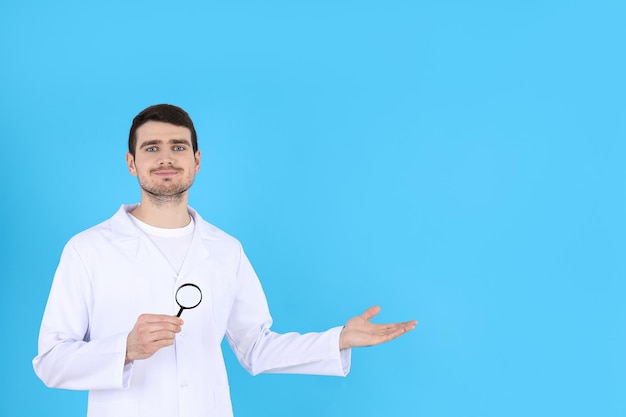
(124, 233)
(135, 243)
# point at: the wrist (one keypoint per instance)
(343, 344)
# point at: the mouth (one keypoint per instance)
(165, 172)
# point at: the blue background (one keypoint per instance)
(457, 162)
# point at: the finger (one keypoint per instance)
(370, 312)
(405, 324)
(150, 349)
(148, 331)
(403, 328)
(395, 329)
(163, 327)
(153, 342)
(159, 318)
(162, 335)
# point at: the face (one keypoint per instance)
(164, 161)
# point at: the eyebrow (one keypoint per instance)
(159, 142)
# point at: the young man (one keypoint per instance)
(110, 324)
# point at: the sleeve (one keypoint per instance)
(260, 350)
(67, 358)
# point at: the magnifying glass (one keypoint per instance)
(188, 296)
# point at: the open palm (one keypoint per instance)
(359, 331)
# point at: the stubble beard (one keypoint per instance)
(163, 194)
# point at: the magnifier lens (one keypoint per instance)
(188, 296)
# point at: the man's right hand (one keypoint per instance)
(151, 333)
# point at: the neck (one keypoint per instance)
(163, 214)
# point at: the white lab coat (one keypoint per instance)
(110, 274)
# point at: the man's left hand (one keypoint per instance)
(359, 331)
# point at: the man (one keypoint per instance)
(110, 324)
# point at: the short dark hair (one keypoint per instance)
(166, 113)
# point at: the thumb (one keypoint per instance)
(371, 312)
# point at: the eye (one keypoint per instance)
(151, 149)
(179, 148)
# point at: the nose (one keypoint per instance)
(166, 158)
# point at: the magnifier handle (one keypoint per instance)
(180, 312)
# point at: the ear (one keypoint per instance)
(197, 158)
(130, 161)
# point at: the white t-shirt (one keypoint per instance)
(173, 243)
